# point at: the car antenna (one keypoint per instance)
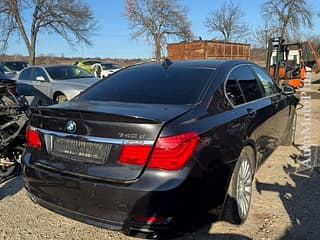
(166, 63)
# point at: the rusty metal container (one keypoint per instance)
(208, 50)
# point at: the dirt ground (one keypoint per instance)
(286, 203)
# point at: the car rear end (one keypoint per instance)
(114, 163)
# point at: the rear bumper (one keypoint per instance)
(133, 229)
(109, 205)
(76, 215)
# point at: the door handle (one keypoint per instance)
(251, 112)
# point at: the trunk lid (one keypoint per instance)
(92, 149)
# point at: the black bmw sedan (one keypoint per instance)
(156, 143)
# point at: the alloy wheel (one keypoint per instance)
(244, 188)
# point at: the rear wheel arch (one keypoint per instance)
(230, 207)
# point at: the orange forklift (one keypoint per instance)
(287, 63)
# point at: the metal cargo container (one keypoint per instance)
(208, 50)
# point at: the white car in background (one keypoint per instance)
(102, 70)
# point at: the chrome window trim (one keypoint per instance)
(259, 99)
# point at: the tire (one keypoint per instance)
(238, 201)
(291, 132)
(60, 98)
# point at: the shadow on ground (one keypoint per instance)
(198, 228)
(316, 81)
(11, 187)
(217, 236)
(301, 199)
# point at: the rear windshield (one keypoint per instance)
(151, 84)
(67, 72)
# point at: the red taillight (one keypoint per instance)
(171, 153)
(33, 138)
(134, 154)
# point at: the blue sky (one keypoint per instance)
(114, 40)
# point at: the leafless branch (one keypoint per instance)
(287, 15)
(157, 20)
(227, 20)
(71, 19)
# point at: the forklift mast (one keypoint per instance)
(274, 43)
(287, 63)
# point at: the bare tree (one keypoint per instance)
(158, 20)
(260, 37)
(315, 40)
(287, 15)
(227, 20)
(262, 34)
(71, 19)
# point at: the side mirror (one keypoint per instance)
(287, 89)
(40, 78)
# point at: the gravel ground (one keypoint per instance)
(285, 203)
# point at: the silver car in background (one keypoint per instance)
(50, 84)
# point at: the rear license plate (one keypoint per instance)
(80, 149)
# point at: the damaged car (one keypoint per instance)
(13, 121)
(155, 144)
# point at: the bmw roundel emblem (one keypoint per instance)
(71, 126)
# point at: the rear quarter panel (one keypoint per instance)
(224, 131)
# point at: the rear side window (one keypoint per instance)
(248, 83)
(233, 91)
(152, 84)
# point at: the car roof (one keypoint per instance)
(53, 65)
(14, 61)
(211, 64)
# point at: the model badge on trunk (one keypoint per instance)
(71, 126)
